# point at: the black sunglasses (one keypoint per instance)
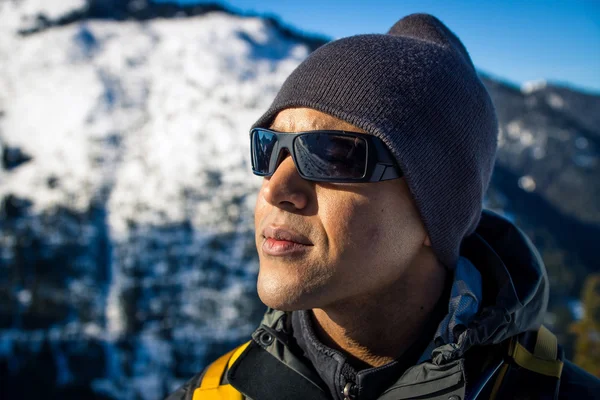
(324, 155)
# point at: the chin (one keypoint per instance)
(286, 293)
(280, 304)
(279, 296)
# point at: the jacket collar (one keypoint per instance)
(275, 353)
(338, 372)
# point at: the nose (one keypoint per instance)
(286, 189)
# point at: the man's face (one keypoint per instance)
(357, 238)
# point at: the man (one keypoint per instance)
(383, 278)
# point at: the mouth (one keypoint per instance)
(280, 241)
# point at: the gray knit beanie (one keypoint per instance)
(416, 89)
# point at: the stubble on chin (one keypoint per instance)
(293, 285)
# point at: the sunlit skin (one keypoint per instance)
(370, 275)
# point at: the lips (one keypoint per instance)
(284, 241)
(285, 234)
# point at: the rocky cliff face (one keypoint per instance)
(127, 257)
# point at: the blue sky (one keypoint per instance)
(515, 40)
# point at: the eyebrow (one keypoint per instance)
(290, 126)
(274, 127)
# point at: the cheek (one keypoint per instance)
(352, 225)
(373, 234)
(373, 229)
(369, 233)
(259, 207)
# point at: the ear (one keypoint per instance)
(427, 241)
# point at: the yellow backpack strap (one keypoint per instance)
(210, 388)
(543, 360)
(546, 345)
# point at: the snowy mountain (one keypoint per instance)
(127, 257)
(127, 194)
(547, 177)
(553, 134)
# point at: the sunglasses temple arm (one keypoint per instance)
(386, 172)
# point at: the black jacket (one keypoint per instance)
(281, 363)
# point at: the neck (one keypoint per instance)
(377, 328)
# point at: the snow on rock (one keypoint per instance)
(533, 86)
(555, 101)
(160, 99)
(21, 15)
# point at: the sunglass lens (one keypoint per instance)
(263, 144)
(331, 156)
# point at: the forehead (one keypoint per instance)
(308, 119)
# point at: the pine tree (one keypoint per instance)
(587, 343)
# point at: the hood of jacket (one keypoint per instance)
(515, 285)
(514, 299)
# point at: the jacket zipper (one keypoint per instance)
(348, 391)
